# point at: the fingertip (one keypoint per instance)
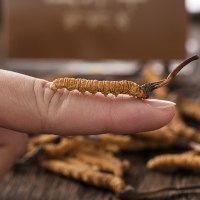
(138, 115)
(159, 104)
(165, 110)
(163, 116)
(160, 113)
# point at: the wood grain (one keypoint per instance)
(29, 182)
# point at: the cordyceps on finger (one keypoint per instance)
(116, 87)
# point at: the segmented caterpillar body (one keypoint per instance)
(94, 86)
(115, 87)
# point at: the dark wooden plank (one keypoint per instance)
(30, 182)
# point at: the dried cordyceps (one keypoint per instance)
(85, 174)
(66, 145)
(188, 160)
(110, 164)
(44, 139)
(123, 142)
(151, 76)
(190, 108)
(59, 149)
(191, 153)
(115, 87)
(163, 135)
(115, 139)
(79, 163)
(111, 148)
(179, 128)
(128, 143)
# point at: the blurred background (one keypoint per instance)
(136, 40)
(92, 37)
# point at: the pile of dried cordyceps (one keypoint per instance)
(89, 158)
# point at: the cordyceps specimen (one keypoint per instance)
(115, 87)
(187, 160)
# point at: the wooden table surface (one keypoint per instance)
(30, 182)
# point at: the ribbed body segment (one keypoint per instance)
(115, 87)
(94, 86)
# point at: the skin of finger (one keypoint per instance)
(35, 108)
(19, 108)
(12, 145)
(87, 114)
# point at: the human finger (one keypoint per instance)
(12, 145)
(29, 105)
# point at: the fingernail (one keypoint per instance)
(159, 104)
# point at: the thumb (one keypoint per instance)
(28, 105)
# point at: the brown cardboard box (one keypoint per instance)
(95, 29)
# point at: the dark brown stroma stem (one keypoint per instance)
(130, 192)
(149, 87)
